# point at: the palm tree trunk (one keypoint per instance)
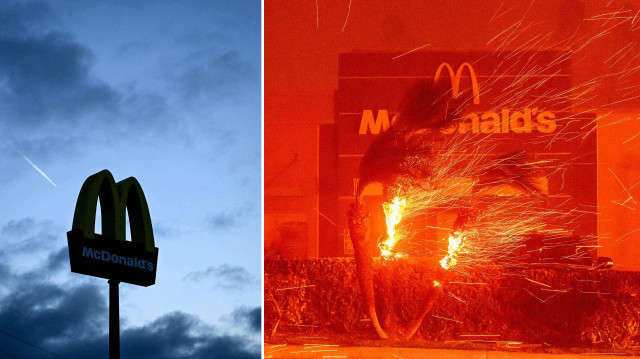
(358, 224)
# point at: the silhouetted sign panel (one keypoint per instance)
(109, 255)
(107, 258)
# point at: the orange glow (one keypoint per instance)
(456, 242)
(393, 215)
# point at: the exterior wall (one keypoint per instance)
(290, 200)
(618, 179)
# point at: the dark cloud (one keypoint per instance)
(161, 230)
(230, 347)
(58, 260)
(5, 272)
(173, 336)
(41, 314)
(24, 17)
(222, 76)
(41, 319)
(223, 221)
(47, 84)
(45, 73)
(74, 327)
(230, 219)
(27, 235)
(37, 242)
(228, 277)
(249, 317)
(18, 227)
(220, 63)
(46, 81)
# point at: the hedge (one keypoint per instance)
(546, 307)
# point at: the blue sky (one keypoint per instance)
(167, 92)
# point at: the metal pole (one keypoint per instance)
(114, 320)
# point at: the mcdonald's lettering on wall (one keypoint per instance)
(505, 121)
(109, 255)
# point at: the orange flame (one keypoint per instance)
(456, 242)
(393, 212)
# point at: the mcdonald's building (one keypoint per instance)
(512, 104)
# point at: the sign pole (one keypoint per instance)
(114, 320)
(110, 255)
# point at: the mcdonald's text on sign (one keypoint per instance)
(109, 255)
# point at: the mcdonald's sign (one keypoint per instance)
(109, 255)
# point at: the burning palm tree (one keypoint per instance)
(420, 168)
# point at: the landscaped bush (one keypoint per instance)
(555, 307)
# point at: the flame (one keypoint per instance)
(393, 212)
(456, 242)
(436, 283)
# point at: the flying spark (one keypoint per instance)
(347, 19)
(410, 51)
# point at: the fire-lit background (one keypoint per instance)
(331, 66)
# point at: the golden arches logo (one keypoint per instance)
(115, 198)
(455, 79)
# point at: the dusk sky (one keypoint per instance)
(169, 93)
